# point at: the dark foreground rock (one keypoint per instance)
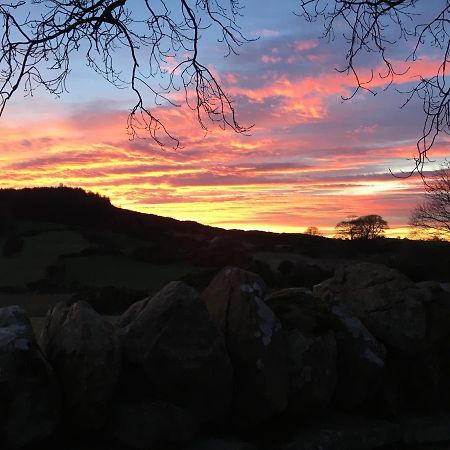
(85, 354)
(235, 370)
(235, 300)
(308, 327)
(411, 320)
(220, 443)
(181, 352)
(349, 432)
(338, 432)
(151, 425)
(403, 315)
(29, 400)
(360, 361)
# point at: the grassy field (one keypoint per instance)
(48, 245)
(121, 271)
(39, 251)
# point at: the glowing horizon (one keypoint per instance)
(310, 160)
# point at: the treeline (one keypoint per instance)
(75, 206)
(54, 204)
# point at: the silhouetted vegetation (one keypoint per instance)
(109, 299)
(12, 245)
(433, 215)
(364, 227)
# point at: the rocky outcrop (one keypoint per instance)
(410, 319)
(183, 370)
(151, 425)
(235, 300)
(181, 352)
(360, 361)
(405, 316)
(340, 432)
(311, 344)
(29, 396)
(85, 354)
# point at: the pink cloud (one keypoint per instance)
(301, 46)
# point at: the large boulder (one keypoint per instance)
(181, 351)
(29, 397)
(151, 425)
(401, 314)
(257, 347)
(360, 361)
(410, 319)
(308, 326)
(85, 353)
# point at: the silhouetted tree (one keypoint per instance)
(434, 214)
(313, 231)
(39, 39)
(364, 227)
(376, 27)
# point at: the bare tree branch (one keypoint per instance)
(434, 213)
(375, 27)
(39, 38)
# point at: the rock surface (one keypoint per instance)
(85, 354)
(151, 425)
(308, 326)
(401, 314)
(339, 432)
(360, 361)
(235, 300)
(29, 398)
(181, 352)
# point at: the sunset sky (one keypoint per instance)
(310, 159)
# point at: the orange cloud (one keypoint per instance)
(281, 178)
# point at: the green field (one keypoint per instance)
(39, 252)
(47, 245)
(121, 271)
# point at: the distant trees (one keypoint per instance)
(313, 231)
(363, 227)
(434, 214)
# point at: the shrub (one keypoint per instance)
(12, 245)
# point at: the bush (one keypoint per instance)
(109, 300)
(263, 270)
(12, 246)
(308, 275)
(285, 267)
(156, 255)
(200, 280)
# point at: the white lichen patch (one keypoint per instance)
(13, 330)
(372, 357)
(353, 325)
(247, 288)
(13, 336)
(7, 336)
(267, 323)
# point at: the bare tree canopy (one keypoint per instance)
(39, 39)
(313, 231)
(363, 227)
(377, 27)
(434, 214)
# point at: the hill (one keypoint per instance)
(72, 242)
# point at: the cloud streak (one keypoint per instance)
(311, 160)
